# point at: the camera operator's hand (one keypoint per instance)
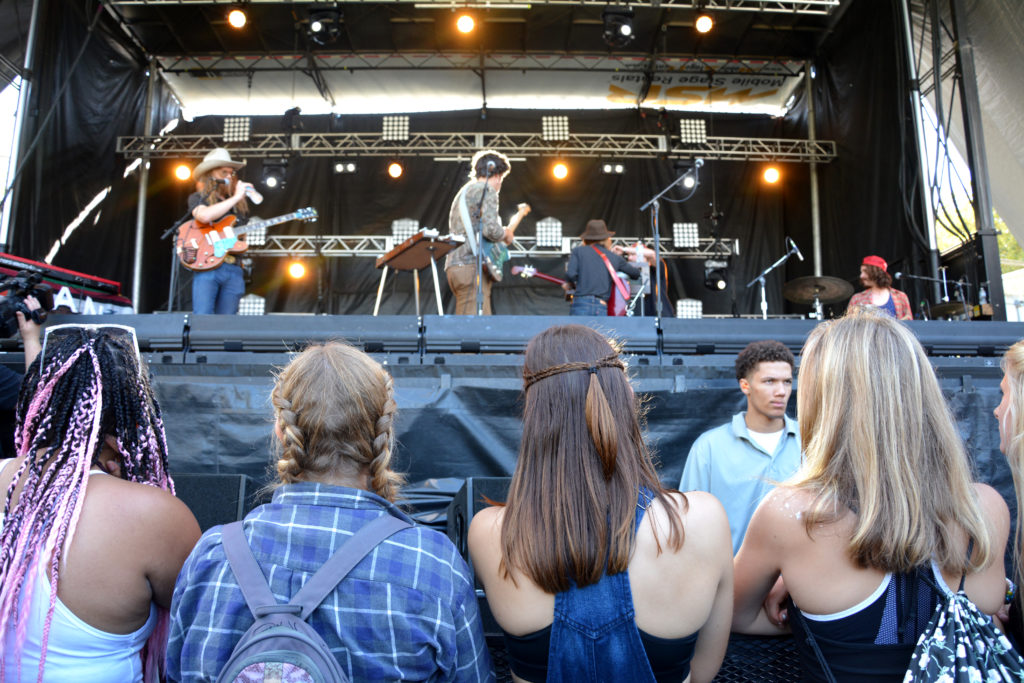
(30, 331)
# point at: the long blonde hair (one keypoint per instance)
(1013, 428)
(879, 440)
(336, 409)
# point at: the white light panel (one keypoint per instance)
(689, 308)
(236, 129)
(252, 304)
(693, 131)
(549, 232)
(404, 228)
(685, 235)
(395, 128)
(554, 127)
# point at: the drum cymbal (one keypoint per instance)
(828, 289)
(947, 309)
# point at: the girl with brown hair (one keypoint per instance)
(592, 569)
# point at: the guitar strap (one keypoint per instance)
(619, 284)
(467, 224)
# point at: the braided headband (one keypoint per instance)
(610, 361)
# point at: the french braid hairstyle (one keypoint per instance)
(92, 386)
(335, 407)
(583, 466)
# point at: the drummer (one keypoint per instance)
(878, 291)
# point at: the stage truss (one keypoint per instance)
(462, 146)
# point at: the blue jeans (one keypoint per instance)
(218, 290)
(594, 635)
(588, 305)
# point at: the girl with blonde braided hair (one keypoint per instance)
(592, 568)
(88, 563)
(407, 611)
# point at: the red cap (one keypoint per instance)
(876, 261)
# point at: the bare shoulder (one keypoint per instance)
(991, 501)
(705, 523)
(484, 535)
(145, 508)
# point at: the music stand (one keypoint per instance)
(414, 254)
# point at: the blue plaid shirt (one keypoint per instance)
(407, 611)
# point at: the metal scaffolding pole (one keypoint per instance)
(977, 161)
(140, 216)
(22, 125)
(815, 200)
(922, 153)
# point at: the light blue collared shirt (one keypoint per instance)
(727, 463)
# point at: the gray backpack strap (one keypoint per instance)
(246, 570)
(341, 562)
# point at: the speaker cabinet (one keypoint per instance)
(470, 500)
(216, 498)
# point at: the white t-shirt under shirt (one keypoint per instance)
(768, 441)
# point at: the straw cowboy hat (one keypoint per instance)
(596, 230)
(217, 158)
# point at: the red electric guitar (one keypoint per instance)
(616, 304)
(203, 246)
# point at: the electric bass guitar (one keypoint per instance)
(616, 304)
(203, 246)
(495, 254)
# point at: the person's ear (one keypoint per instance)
(745, 386)
(110, 459)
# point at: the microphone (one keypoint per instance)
(490, 167)
(698, 162)
(793, 247)
(222, 181)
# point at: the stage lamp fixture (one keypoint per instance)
(704, 23)
(324, 26)
(554, 128)
(236, 17)
(395, 128)
(560, 170)
(465, 24)
(618, 26)
(613, 168)
(274, 173)
(771, 174)
(182, 172)
(685, 236)
(689, 181)
(296, 269)
(252, 304)
(549, 232)
(395, 169)
(404, 228)
(689, 308)
(236, 129)
(342, 166)
(716, 275)
(693, 131)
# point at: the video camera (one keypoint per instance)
(17, 287)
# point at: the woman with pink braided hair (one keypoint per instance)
(88, 563)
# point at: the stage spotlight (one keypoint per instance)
(689, 181)
(236, 129)
(292, 120)
(236, 17)
(465, 24)
(341, 166)
(324, 26)
(612, 168)
(560, 170)
(716, 275)
(182, 172)
(252, 304)
(274, 173)
(296, 269)
(689, 308)
(618, 26)
(685, 236)
(395, 169)
(772, 175)
(704, 23)
(549, 232)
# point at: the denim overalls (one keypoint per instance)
(594, 635)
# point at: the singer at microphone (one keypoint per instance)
(218, 282)
(878, 291)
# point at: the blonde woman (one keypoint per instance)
(1010, 416)
(407, 611)
(878, 521)
(592, 569)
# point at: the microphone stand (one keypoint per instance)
(760, 279)
(960, 287)
(479, 229)
(655, 228)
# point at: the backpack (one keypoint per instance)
(281, 645)
(961, 643)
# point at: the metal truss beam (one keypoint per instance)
(214, 64)
(350, 246)
(462, 146)
(811, 7)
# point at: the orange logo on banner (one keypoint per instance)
(688, 95)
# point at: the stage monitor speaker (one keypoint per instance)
(470, 500)
(216, 498)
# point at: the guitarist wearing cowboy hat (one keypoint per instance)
(589, 270)
(219, 192)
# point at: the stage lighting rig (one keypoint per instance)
(716, 275)
(274, 173)
(324, 26)
(618, 26)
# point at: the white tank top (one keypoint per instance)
(75, 651)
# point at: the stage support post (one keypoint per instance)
(140, 216)
(21, 127)
(977, 160)
(922, 153)
(815, 202)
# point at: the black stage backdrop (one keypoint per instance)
(858, 98)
